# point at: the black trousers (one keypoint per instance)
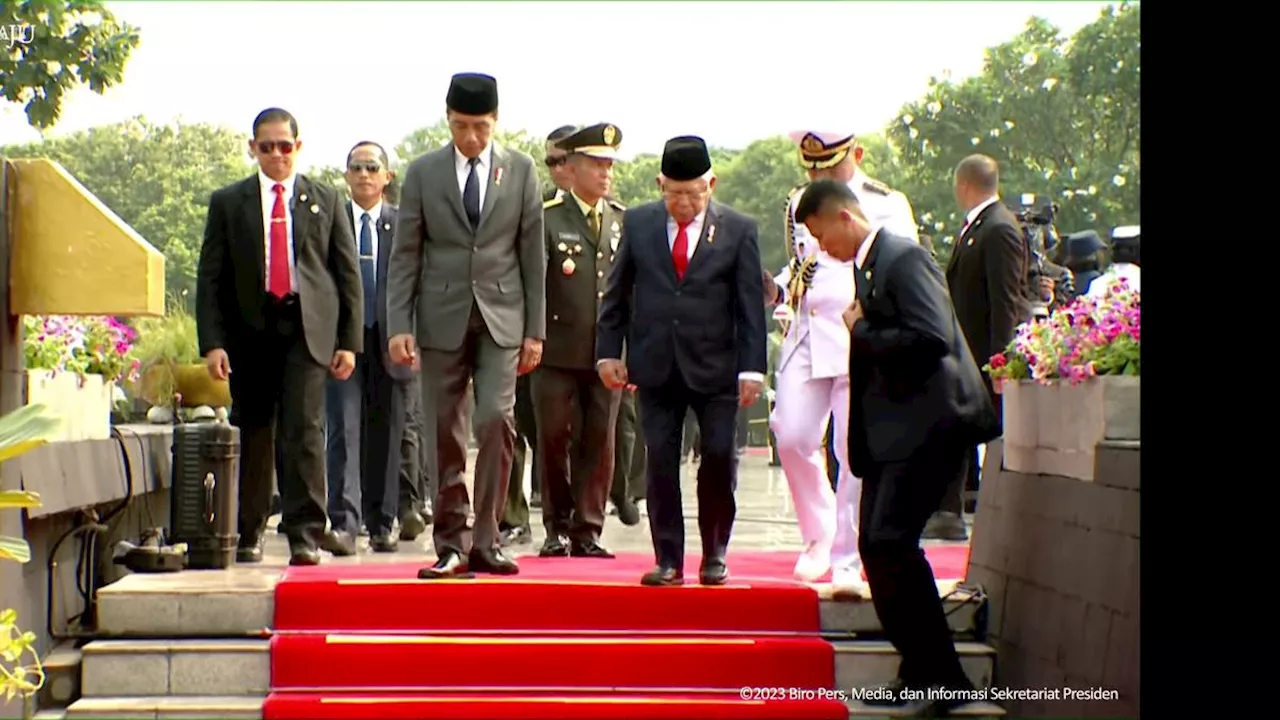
(277, 388)
(366, 416)
(628, 452)
(662, 414)
(897, 500)
(412, 486)
(516, 512)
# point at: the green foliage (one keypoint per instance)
(1060, 115)
(157, 178)
(170, 339)
(56, 46)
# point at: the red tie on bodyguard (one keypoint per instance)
(278, 275)
(680, 250)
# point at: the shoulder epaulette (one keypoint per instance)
(796, 190)
(877, 187)
(617, 205)
(553, 202)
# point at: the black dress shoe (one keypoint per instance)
(451, 565)
(339, 544)
(628, 513)
(516, 536)
(554, 546)
(713, 572)
(492, 561)
(535, 499)
(303, 556)
(411, 526)
(589, 549)
(662, 575)
(383, 543)
(250, 550)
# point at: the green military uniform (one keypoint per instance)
(628, 461)
(574, 412)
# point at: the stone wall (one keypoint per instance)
(1059, 560)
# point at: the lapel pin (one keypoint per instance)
(386, 226)
(562, 247)
(497, 177)
(614, 227)
(568, 266)
(970, 243)
(315, 209)
(302, 197)
(868, 274)
(711, 234)
(577, 249)
(613, 242)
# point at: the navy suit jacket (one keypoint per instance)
(386, 228)
(708, 326)
(912, 380)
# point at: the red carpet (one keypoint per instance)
(567, 639)
(562, 595)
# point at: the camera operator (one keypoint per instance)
(1049, 284)
(1082, 253)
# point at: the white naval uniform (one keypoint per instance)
(813, 383)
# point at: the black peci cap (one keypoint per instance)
(685, 158)
(472, 94)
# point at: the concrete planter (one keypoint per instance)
(191, 380)
(83, 402)
(1053, 428)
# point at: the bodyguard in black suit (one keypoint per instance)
(278, 302)
(987, 278)
(916, 405)
(367, 412)
(685, 294)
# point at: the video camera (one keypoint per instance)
(1041, 236)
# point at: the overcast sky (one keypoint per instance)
(729, 71)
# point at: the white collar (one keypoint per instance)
(375, 212)
(267, 183)
(865, 250)
(977, 209)
(461, 160)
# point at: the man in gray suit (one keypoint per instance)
(469, 259)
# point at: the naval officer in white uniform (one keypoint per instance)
(811, 294)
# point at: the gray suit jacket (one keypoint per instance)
(439, 265)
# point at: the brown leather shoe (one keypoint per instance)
(663, 576)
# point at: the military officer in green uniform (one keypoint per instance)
(574, 412)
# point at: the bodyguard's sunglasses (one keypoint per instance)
(556, 161)
(267, 146)
(369, 167)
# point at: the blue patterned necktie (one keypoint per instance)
(368, 271)
(471, 195)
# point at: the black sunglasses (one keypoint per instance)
(267, 146)
(369, 167)
(555, 161)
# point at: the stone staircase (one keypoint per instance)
(195, 645)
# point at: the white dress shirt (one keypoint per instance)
(374, 214)
(483, 170)
(1128, 271)
(865, 251)
(268, 202)
(694, 231)
(973, 214)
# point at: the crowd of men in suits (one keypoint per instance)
(365, 341)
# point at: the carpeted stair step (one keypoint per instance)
(410, 662)
(554, 595)
(511, 705)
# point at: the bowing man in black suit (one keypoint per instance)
(685, 294)
(367, 412)
(278, 303)
(916, 406)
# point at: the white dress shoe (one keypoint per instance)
(814, 562)
(848, 581)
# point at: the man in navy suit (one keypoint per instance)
(685, 295)
(366, 413)
(917, 405)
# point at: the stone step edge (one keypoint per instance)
(120, 646)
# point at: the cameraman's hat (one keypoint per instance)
(1083, 243)
(822, 150)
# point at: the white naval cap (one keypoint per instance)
(1125, 232)
(821, 149)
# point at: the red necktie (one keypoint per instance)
(278, 278)
(680, 250)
